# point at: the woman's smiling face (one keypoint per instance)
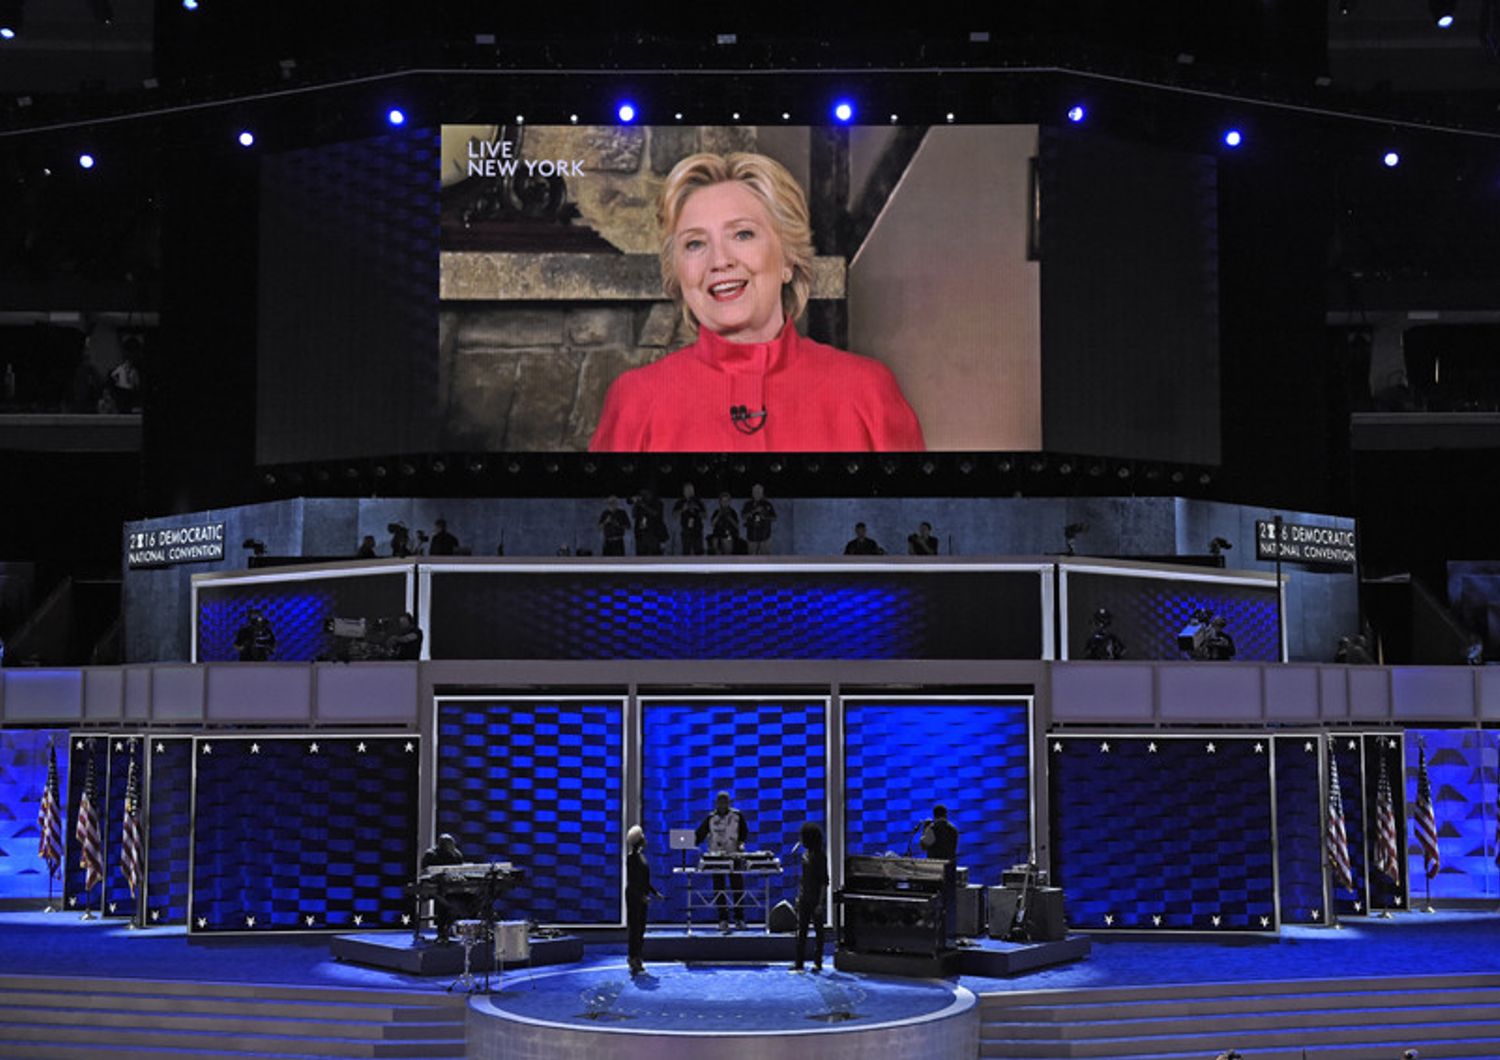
(730, 263)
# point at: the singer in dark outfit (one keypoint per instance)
(810, 891)
(638, 892)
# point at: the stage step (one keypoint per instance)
(45, 1018)
(1442, 1016)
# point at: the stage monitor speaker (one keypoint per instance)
(1045, 919)
(969, 922)
(783, 919)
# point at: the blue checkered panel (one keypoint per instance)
(81, 746)
(538, 784)
(23, 777)
(769, 754)
(169, 830)
(1461, 768)
(1163, 833)
(1385, 893)
(1349, 751)
(308, 833)
(1150, 612)
(738, 613)
(1299, 829)
(297, 611)
(118, 901)
(973, 757)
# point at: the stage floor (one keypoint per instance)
(1446, 942)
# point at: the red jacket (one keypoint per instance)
(817, 399)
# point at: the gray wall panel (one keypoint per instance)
(1333, 692)
(42, 695)
(367, 692)
(1432, 692)
(255, 692)
(1291, 693)
(177, 693)
(1209, 692)
(1102, 691)
(1370, 692)
(103, 693)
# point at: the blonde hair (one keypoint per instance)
(637, 834)
(777, 190)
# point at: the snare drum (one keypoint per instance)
(512, 941)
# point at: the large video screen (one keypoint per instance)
(745, 289)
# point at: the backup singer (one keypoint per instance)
(810, 891)
(726, 830)
(737, 258)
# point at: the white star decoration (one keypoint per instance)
(73, 901)
(1352, 745)
(314, 748)
(1151, 747)
(1356, 905)
(255, 748)
(1308, 746)
(161, 748)
(203, 922)
(1104, 747)
(1156, 919)
(1317, 914)
(410, 747)
(208, 748)
(119, 745)
(1397, 899)
(361, 747)
(113, 906)
(249, 921)
(1109, 919)
(405, 919)
(1265, 921)
(358, 919)
(78, 746)
(1212, 749)
(1217, 919)
(156, 914)
(310, 918)
(1260, 748)
(1057, 745)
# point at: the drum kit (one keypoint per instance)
(512, 945)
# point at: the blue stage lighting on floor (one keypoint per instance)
(843, 111)
(86, 160)
(247, 138)
(1233, 138)
(1391, 159)
(626, 112)
(1076, 113)
(396, 116)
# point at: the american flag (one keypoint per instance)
(49, 819)
(1337, 839)
(87, 831)
(1387, 848)
(1425, 818)
(130, 845)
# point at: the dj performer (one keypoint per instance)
(726, 830)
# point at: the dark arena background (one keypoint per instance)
(437, 441)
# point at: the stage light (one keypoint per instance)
(1076, 113)
(86, 160)
(950, 117)
(190, 5)
(1391, 160)
(396, 116)
(894, 119)
(573, 119)
(843, 111)
(1233, 138)
(7, 33)
(247, 138)
(735, 116)
(785, 116)
(1445, 22)
(1442, 12)
(626, 112)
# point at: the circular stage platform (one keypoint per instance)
(722, 1013)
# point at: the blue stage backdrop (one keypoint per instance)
(83, 746)
(1299, 829)
(1385, 893)
(169, 829)
(297, 610)
(1349, 751)
(769, 753)
(739, 613)
(23, 777)
(305, 833)
(538, 783)
(1163, 832)
(1150, 612)
(971, 755)
(118, 901)
(1461, 768)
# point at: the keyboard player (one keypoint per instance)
(446, 908)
